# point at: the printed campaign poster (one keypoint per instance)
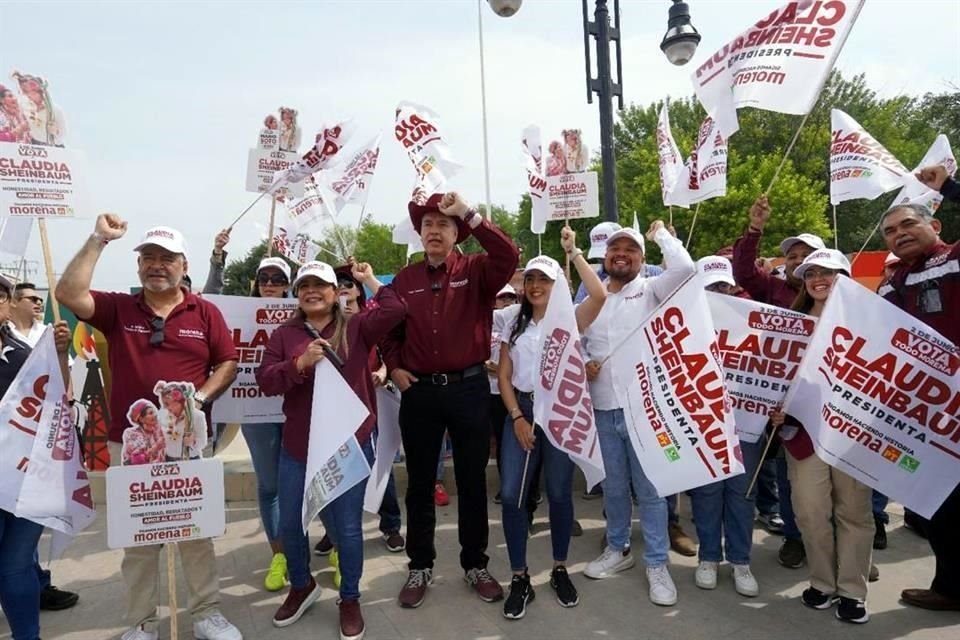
(339, 474)
(881, 399)
(860, 167)
(761, 347)
(39, 176)
(251, 322)
(572, 195)
(678, 413)
(262, 164)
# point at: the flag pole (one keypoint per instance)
(273, 213)
(836, 234)
(483, 110)
(786, 154)
(865, 243)
(172, 588)
(523, 480)
(671, 215)
(48, 264)
(763, 455)
(692, 225)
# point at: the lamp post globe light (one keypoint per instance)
(505, 8)
(681, 40)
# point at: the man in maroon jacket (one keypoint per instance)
(927, 286)
(436, 359)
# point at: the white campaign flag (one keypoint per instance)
(295, 246)
(914, 191)
(860, 167)
(678, 413)
(41, 467)
(704, 176)
(668, 153)
(404, 233)
(328, 144)
(761, 347)
(417, 129)
(310, 211)
(536, 179)
(778, 64)
(350, 182)
(336, 415)
(561, 393)
(880, 399)
(388, 444)
(15, 234)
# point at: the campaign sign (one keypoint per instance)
(263, 163)
(41, 181)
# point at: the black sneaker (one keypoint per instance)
(324, 547)
(792, 555)
(497, 499)
(520, 594)
(53, 599)
(567, 594)
(852, 610)
(879, 534)
(816, 599)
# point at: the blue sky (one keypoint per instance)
(166, 98)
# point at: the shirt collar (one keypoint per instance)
(189, 302)
(447, 264)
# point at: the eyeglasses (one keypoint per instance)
(345, 284)
(813, 274)
(277, 279)
(156, 338)
(33, 299)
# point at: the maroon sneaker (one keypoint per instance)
(483, 583)
(351, 620)
(296, 604)
(394, 542)
(415, 589)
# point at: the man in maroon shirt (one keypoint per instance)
(436, 359)
(162, 333)
(926, 285)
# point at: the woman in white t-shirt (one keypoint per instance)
(520, 354)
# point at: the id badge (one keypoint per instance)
(930, 301)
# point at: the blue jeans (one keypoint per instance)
(768, 499)
(722, 513)
(672, 516)
(342, 519)
(880, 507)
(390, 509)
(790, 529)
(263, 441)
(43, 575)
(623, 469)
(19, 586)
(558, 477)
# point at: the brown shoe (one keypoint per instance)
(681, 542)
(484, 584)
(929, 599)
(415, 588)
(296, 604)
(351, 620)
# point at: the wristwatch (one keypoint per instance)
(200, 398)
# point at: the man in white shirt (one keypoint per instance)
(630, 299)
(26, 314)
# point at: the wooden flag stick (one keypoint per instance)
(756, 473)
(273, 214)
(836, 234)
(786, 154)
(671, 215)
(865, 243)
(48, 264)
(692, 225)
(172, 588)
(244, 212)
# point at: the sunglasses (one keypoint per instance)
(33, 299)
(156, 324)
(277, 278)
(345, 284)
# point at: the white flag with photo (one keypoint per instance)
(860, 167)
(916, 192)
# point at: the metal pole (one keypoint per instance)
(483, 110)
(603, 86)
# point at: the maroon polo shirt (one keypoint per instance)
(761, 286)
(196, 340)
(277, 373)
(450, 307)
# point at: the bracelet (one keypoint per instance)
(573, 255)
(519, 417)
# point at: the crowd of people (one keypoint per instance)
(460, 345)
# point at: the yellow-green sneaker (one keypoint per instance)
(276, 578)
(335, 563)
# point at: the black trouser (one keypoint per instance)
(943, 539)
(462, 409)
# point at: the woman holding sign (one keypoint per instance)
(525, 443)
(319, 330)
(834, 511)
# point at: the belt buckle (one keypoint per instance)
(439, 379)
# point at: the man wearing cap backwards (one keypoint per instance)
(768, 288)
(162, 333)
(436, 359)
(927, 286)
(630, 299)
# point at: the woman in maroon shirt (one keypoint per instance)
(288, 368)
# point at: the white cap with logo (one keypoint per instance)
(714, 269)
(164, 237)
(632, 234)
(507, 290)
(826, 258)
(317, 269)
(812, 241)
(544, 264)
(598, 239)
(276, 263)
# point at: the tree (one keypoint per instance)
(239, 276)
(375, 245)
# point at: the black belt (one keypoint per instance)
(526, 395)
(453, 377)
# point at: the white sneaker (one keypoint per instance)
(610, 562)
(215, 627)
(744, 581)
(706, 575)
(662, 590)
(138, 633)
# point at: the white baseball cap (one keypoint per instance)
(276, 263)
(628, 232)
(507, 290)
(598, 239)
(714, 269)
(812, 241)
(166, 237)
(826, 258)
(544, 264)
(317, 269)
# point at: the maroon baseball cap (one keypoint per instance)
(432, 205)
